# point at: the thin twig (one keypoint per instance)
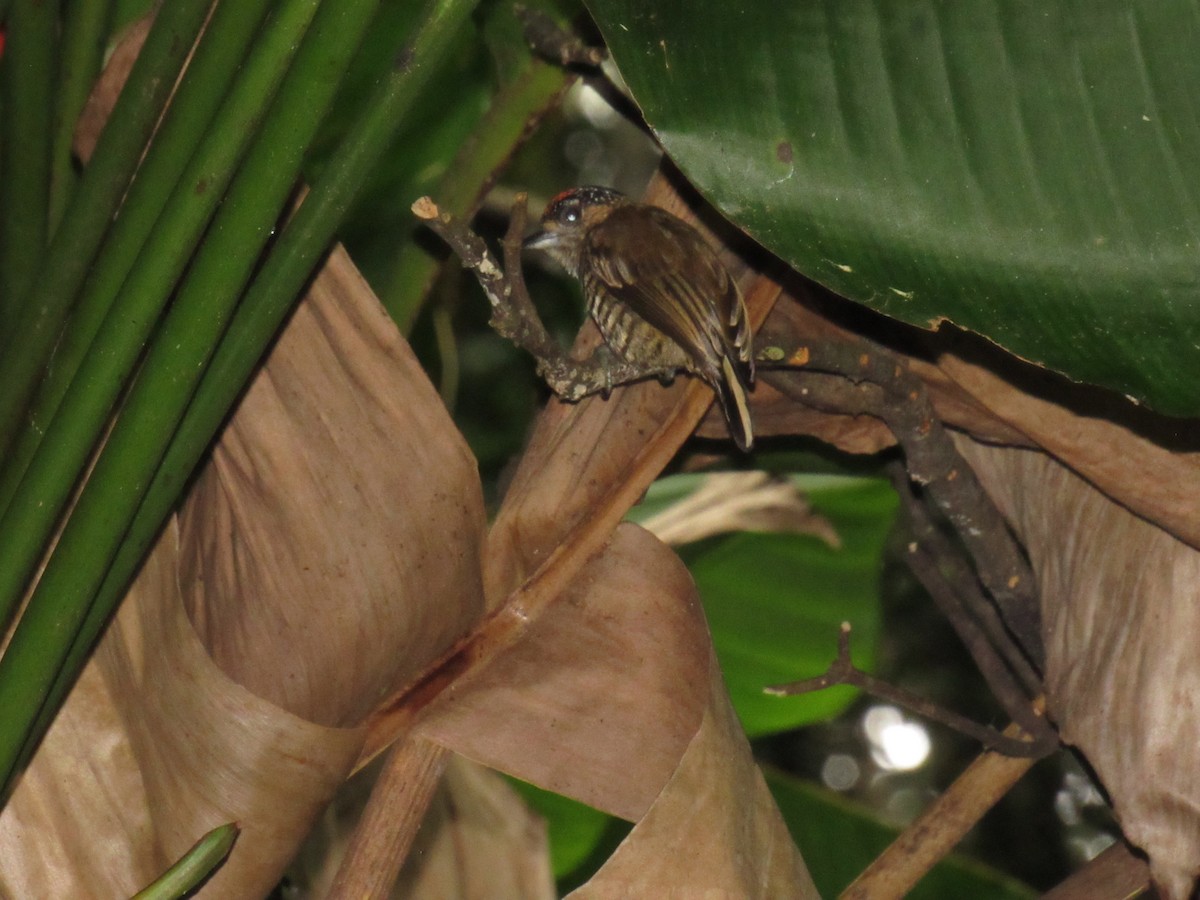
(843, 671)
(554, 43)
(394, 813)
(939, 829)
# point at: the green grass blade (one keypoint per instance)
(43, 308)
(85, 31)
(169, 373)
(30, 51)
(188, 123)
(43, 492)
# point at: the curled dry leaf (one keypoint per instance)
(614, 697)
(155, 747)
(601, 697)
(1146, 462)
(330, 551)
(1121, 604)
(713, 831)
(342, 485)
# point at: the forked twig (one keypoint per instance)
(843, 671)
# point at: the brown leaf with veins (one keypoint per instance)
(1121, 604)
(609, 684)
(323, 487)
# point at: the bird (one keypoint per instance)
(656, 290)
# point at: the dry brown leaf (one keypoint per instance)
(155, 747)
(1120, 607)
(714, 831)
(601, 697)
(330, 551)
(307, 487)
(614, 698)
(344, 489)
(1146, 462)
(319, 579)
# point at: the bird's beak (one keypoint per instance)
(540, 240)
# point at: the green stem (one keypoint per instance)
(85, 30)
(193, 867)
(30, 52)
(43, 492)
(187, 125)
(268, 302)
(43, 308)
(168, 376)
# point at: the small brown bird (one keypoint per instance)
(656, 290)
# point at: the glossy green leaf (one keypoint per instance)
(839, 839)
(1028, 171)
(775, 602)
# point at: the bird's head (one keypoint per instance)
(567, 219)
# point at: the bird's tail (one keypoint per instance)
(731, 391)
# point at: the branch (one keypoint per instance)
(514, 315)
(554, 43)
(843, 671)
(874, 382)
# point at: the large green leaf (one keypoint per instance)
(1030, 171)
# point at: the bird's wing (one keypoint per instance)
(665, 272)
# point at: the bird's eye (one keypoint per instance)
(571, 214)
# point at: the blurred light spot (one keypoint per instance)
(878, 718)
(1083, 791)
(840, 771)
(583, 148)
(896, 745)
